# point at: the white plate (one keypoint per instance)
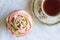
(43, 18)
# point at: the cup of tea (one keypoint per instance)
(47, 11)
(51, 7)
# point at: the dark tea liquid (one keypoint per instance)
(51, 7)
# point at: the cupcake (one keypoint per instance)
(19, 22)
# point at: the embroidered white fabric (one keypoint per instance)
(39, 32)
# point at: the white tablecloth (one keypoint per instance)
(39, 31)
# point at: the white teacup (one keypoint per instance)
(42, 16)
(45, 12)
